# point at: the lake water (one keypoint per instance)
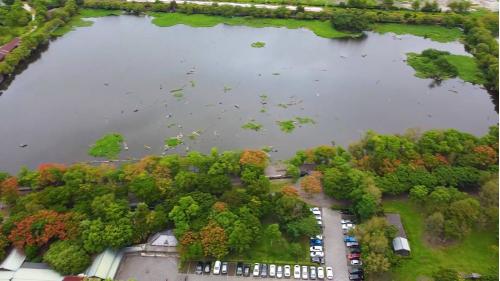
(116, 76)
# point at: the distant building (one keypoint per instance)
(164, 238)
(401, 246)
(105, 265)
(14, 268)
(7, 48)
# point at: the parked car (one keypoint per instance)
(353, 256)
(352, 244)
(317, 254)
(312, 272)
(318, 217)
(348, 226)
(345, 221)
(279, 271)
(256, 270)
(239, 269)
(296, 271)
(320, 222)
(319, 237)
(246, 270)
(316, 242)
(329, 273)
(355, 277)
(287, 271)
(263, 270)
(315, 210)
(356, 262)
(206, 269)
(199, 268)
(224, 267)
(316, 249)
(217, 266)
(318, 260)
(305, 275)
(321, 272)
(350, 239)
(356, 271)
(272, 270)
(355, 250)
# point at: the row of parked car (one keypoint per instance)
(353, 251)
(264, 270)
(316, 242)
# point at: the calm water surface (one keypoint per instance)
(116, 76)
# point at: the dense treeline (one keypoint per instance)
(31, 40)
(86, 209)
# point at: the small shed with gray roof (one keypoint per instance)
(105, 265)
(401, 246)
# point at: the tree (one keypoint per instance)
(67, 257)
(241, 237)
(9, 190)
(296, 250)
(144, 187)
(419, 194)
(353, 22)
(460, 6)
(311, 184)
(273, 234)
(434, 225)
(290, 190)
(214, 240)
(415, 5)
(303, 227)
(366, 207)
(92, 233)
(51, 174)
(388, 4)
(256, 158)
(183, 213)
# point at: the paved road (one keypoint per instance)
(335, 251)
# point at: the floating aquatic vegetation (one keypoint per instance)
(267, 148)
(194, 135)
(258, 44)
(276, 73)
(252, 125)
(286, 126)
(305, 120)
(263, 110)
(193, 84)
(227, 89)
(263, 97)
(109, 146)
(177, 90)
(282, 105)
(173, 141)
(171, 125)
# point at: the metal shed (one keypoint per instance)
(105, 265)
(401, 246)
(13, 261)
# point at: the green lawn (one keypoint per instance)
(478, 252)
(320, 28)
(264, 252)
(433, 32)
(467, 68)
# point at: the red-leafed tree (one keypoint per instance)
(9, 190)
(214, 240)
(289, 190)
(255, 158)
(39, 229)
(51, 174)
(312, 183)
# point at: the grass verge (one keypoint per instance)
(320, 28)
(433, 32)
(467, 67)
(478, 252)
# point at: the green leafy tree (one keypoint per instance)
(273, 234)
(67, 257)
(241, 238)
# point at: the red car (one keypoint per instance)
(354, 256)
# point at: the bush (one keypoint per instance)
(67, 257)
(353, 22)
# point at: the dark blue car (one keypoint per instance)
(350, 239)
(316, 242)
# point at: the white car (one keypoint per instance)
(312, 272)
(321, 272)
(316, 249)
(256, 270)
(316, 211)
(279, 271)
(329, 272)
(272, 270)
(356, 262)
(320, 222)
(217, 265)
(345, 221)
(287, 271)
(317, 254)
(347, 226)
(305, 275)
(318, 217)
(296, 271)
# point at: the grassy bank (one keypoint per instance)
(320, 28)
(476, 253)
(467, 67)
(78, 20)
(433, 32)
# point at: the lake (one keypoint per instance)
(117, 76)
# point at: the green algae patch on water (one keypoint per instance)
(286, 126)
(258, 44)
(173, 142)
(320, 28)
(434, 32)
(108, 146)
(252, 125)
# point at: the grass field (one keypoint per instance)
(433, 32)
(467, 68)
(478, 252)
(320, 28)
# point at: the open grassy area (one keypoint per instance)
(478, 252)
(433, 32)
(78, 20)
(320, 28)
(97, 13)
(279, 253)
(278, 184)
(467, 68)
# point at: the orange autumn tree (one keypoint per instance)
(214, 240)
(311, 184)
(219, 206)
(290, 191)
(9, 190)
(51, 174)
(39, 229)
(257, 158)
